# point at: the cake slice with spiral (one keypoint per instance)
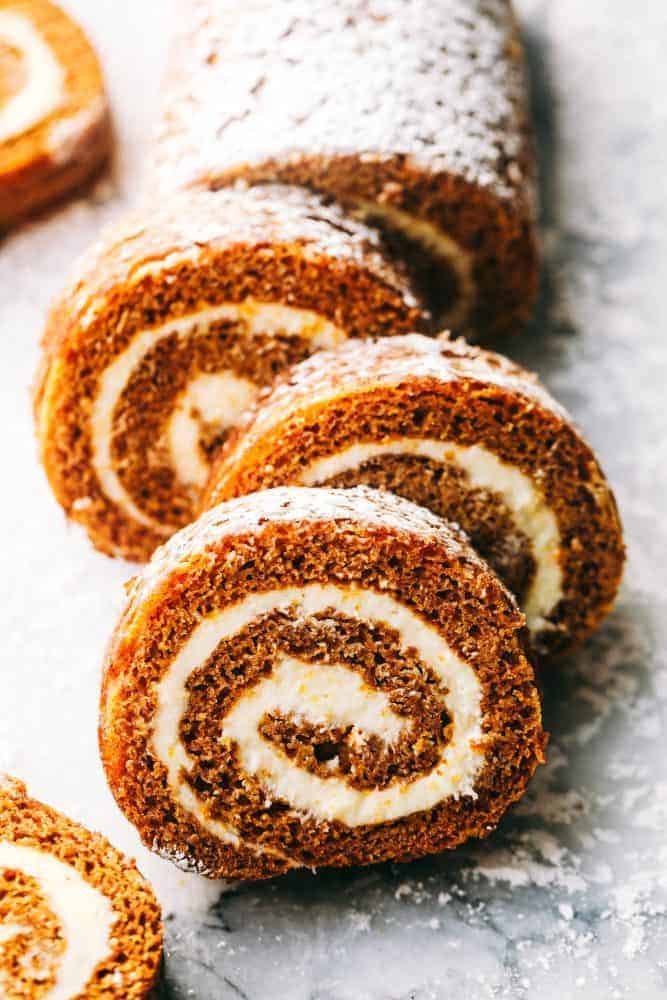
(77, 920)
(55, 127)
(310, 677)
(169, 328)
(466, 433)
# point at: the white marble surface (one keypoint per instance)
(569, 898)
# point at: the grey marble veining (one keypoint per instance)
(568, 899)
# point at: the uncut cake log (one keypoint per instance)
(464, 432)
(169, 327)
(77, 920)
(412, 115)
(309, 677)
(55, 127)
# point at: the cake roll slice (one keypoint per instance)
(168, 330)
(309, 678)
(466, 433)
(77, 920)
(411, 115)
(55, 129)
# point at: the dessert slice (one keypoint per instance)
(76, 917)
(466, 433)
(55, 129)
(172, 324)
(311, 677)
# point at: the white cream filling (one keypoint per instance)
(334, 696)
(329, 694)
(257, 317)
(84, 913)
(438, 243)
(44, 88)
(9, 931)
(484, 470)
(216, 400)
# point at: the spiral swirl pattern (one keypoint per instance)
(309, 677)
(197, 407)
(332, 696)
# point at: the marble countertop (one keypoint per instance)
(569, 898)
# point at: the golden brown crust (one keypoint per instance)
(202, 249)
(297, 537)
(64, 150)
(419, 109)
(131, 968)
(442, 390)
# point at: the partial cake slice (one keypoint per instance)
(77, 920)
(55, 129)
(311, 677)
(466, 433)
(168, 330)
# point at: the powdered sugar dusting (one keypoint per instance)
(441, 83)
(250, 515)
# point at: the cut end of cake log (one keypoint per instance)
(171, 327)
(432, 141)
(314, 677)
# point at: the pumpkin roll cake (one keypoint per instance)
(466, 433)
(168, 330)
(77, 920)
(411, 115)
(55, 129)
(311, 677)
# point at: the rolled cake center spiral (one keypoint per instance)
(483, 470)
(84, 915)
(202, 406)
(32, 86)
(330, 696)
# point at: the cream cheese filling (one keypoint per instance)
(257, 318)
(329, 694)
(484, 470)
(84, 913)
(215, 400)
(44, 88)
(437, 243)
